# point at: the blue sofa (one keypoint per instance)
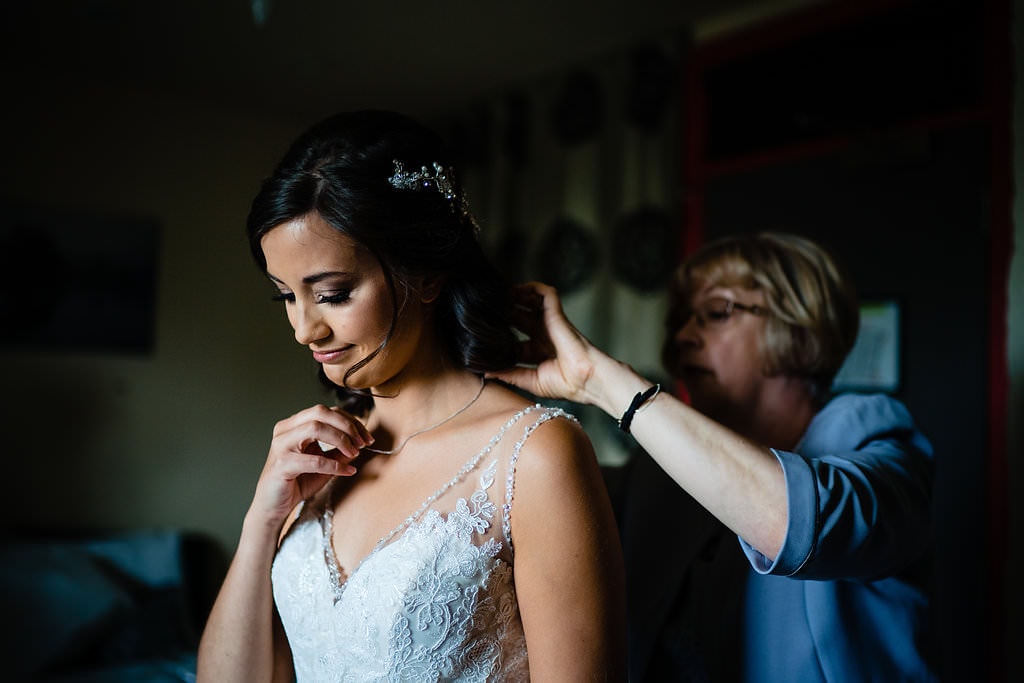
(106, 608)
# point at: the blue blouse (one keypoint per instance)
(846, 599)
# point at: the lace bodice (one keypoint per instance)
(434, 601)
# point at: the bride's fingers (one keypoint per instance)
(358, 429)
(331, 426)
(289, 463)
(320, 438)
(323, 463)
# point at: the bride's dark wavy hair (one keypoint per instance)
(339, 170)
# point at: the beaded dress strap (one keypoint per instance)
(339, 581)
(549, 413)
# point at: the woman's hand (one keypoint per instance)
(308, 449)
(559, 359)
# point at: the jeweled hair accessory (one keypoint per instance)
(424, 179)
(434, 177)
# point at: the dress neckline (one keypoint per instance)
(339, 579)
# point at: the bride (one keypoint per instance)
(432, 525)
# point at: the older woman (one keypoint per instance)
(829, 495)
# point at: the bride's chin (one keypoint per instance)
(360, 379)
(337, 375)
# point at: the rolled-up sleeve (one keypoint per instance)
(859, 494)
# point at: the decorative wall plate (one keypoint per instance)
(645, 248)
(568, 255)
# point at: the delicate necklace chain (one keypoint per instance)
(433, 426)
(339, 581)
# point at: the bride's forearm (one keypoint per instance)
(238, 641)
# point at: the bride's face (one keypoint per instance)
(338, 301)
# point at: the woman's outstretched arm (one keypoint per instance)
(738, 481)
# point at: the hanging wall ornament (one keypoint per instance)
(645, 249)
(652, 84)
(568, 255)
(578, 113)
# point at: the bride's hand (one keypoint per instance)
(308, 450)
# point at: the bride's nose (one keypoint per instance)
(309, 325)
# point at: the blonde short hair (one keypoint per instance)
(813, 310)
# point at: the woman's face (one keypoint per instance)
(717, 353)
(338, 301)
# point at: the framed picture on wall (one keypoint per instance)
(874, 362)
(82, 281)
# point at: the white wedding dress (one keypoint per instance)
(434, 601)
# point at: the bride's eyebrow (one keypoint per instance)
(315, 277)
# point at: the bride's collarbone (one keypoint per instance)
(394, 485)
(417, 470)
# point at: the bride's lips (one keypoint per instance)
(329, 356)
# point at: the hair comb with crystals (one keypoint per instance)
(434, 177)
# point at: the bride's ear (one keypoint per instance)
(430, 288)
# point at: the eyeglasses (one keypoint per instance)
(714, 312)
